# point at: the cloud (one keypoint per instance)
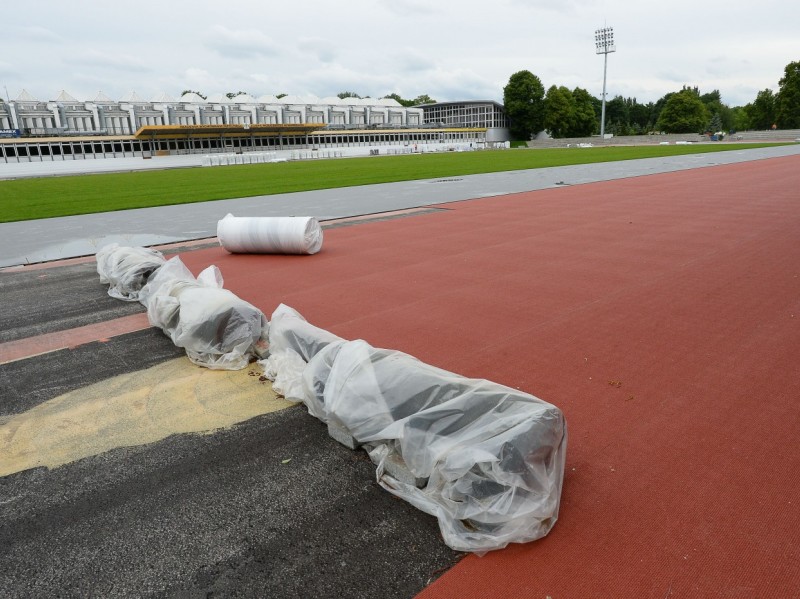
(7, 69)
(450, 50)
(335, 78)
(445, 84)
(241, 43)
(323, 50)
(564, 6)
(40, 34)
(112, 61)
(199, 79)
(409, 8)
(408, 60)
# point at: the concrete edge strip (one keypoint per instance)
(20, 349)
(213, 241)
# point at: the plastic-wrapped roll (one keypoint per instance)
(270, 234)
(485, 459)
(217, 329)
(127, 269)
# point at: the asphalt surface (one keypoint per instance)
(55, 238)
(268, 508)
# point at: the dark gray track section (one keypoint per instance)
(56, 299)
(217, 516)
(193, 515)
(27, 383)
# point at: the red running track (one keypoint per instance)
(660, 313)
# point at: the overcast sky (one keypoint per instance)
(448, 49)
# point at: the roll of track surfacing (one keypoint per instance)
(270, 234)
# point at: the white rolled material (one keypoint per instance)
(270, 234)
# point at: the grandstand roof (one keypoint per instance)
(192, 98)
(133, 98)
(244, 99)
(460, 103)
(101, 97)
(25, 96)
(163, 98)
(63, 96)
(219, 99)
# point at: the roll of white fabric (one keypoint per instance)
(270, 234)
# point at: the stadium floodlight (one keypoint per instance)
(604, 42)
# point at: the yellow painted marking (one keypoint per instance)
(133, 409)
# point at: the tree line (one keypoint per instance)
(576, 113)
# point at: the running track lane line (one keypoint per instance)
(11, 351)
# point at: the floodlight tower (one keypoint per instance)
(604, 42)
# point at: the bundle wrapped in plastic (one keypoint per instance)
(270, 234)
(293, 341)
(485, 459)
(127, 269)
(217, 329)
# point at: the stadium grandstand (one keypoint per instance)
(67, 128)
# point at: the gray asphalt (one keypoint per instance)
(193, 515)
(55, 238)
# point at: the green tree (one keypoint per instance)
(787, 104)
(344, 95)
(761, 112)
(684, 112)
(523, 98)
(399, 100)
(640, 117)
(232, 95)
(715, 124)
(585, 120)
(618, 115)
(713, 102)
(423, 99)
(617, 109)
(191, 91)
(559, 111)
(658, 107)
(741, 120)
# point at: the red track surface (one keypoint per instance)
(42, 344)
(661, 314)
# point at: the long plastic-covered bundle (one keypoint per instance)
(488, 459)
(270, 235)
(218, 329)
(127, 269)
(293, 341)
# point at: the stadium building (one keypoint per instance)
(67, 128)
(485, 114)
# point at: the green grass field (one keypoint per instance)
(27, 199)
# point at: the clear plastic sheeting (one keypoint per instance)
(270, 235)
(217, 329)
(293, 342)
(485, 459)
(289, 330)
(127, 269)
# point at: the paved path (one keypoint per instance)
(55, 238)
